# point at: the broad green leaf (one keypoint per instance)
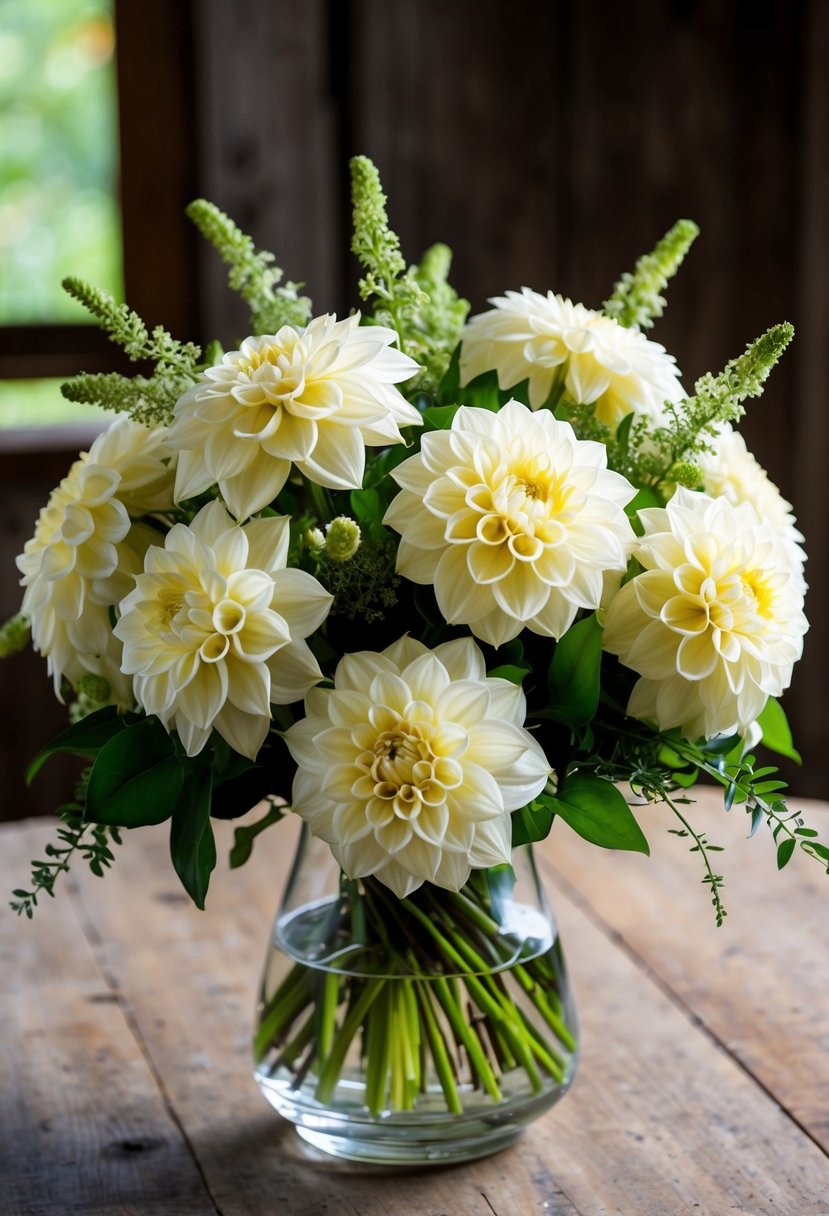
(378, 467)
(450, 384)
(192, 846)
(723, 745)
(575, 672)
(439, 417)
(623, 430)
(84, 738)
(596, 810)
(644, 498)
(784, 852)
(136, 777)
(509, 671)
(367, 506)
(244, 836)
(533, 822)
(777, 735)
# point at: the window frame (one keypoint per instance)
(157, 137)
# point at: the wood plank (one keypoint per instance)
(156, 102)
(83, 1126)
(660, 1118)
(468, 154)
(759, 983)
(809, 422)
(268, 126)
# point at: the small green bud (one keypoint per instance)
(94, 688)
(15, 636)
(342, 538)
(686, 473)
(314, 541)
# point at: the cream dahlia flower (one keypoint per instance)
(513, 519)
(85, 550)
(214, 630)
(409, 768)
(714, 623)
(733, 472)
(557, 344)
(313, 398)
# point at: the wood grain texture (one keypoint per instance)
(758, 985)
(83, 1125)
(666, 1115)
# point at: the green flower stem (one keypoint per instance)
(378, 1051)
(437, 1046)
(409, 1040)
(442, 1008)
(281, 1012)
(330, 1072)
(541, 998)
(476, 914)
(461, 1030)
(295, 1047)
(544, 1051)
(328, 1012)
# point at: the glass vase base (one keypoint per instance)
(413, 1153)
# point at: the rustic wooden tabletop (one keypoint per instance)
(125, 1084)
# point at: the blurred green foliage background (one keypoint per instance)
(58, 170)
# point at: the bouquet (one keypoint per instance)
(433, 585)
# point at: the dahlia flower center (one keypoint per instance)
(402, 772)
(522, 509)
(726, 599)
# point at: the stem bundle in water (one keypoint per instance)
(429, 995)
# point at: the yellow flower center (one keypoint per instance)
(402, 772)
(522, 508)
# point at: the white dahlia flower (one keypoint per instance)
(313, 398)
(513, 519)
(409, 768)
(714, 623)
(214, 630)
(557, 344)
(733, 472)
(85, 550)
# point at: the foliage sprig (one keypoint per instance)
(668, 453)
(90, 841)
(15, 635)
(637, 298)
(253, 273)
(418, 303)
(148, 399)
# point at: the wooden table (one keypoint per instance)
(125, 1083)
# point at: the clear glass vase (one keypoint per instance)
(430, 1029)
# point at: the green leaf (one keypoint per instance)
(244, 836)
(645, 498)
(136, 777)
(192, 846)
(575, 672)
(596, 810)
(777, 735)
(623, 430)
(533, 822)
(84, 738)
(439, 417)
(756, 820)
(367, 506)
(784, 852)
(450, 384)
(509, 671)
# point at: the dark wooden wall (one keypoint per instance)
(549, 144)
